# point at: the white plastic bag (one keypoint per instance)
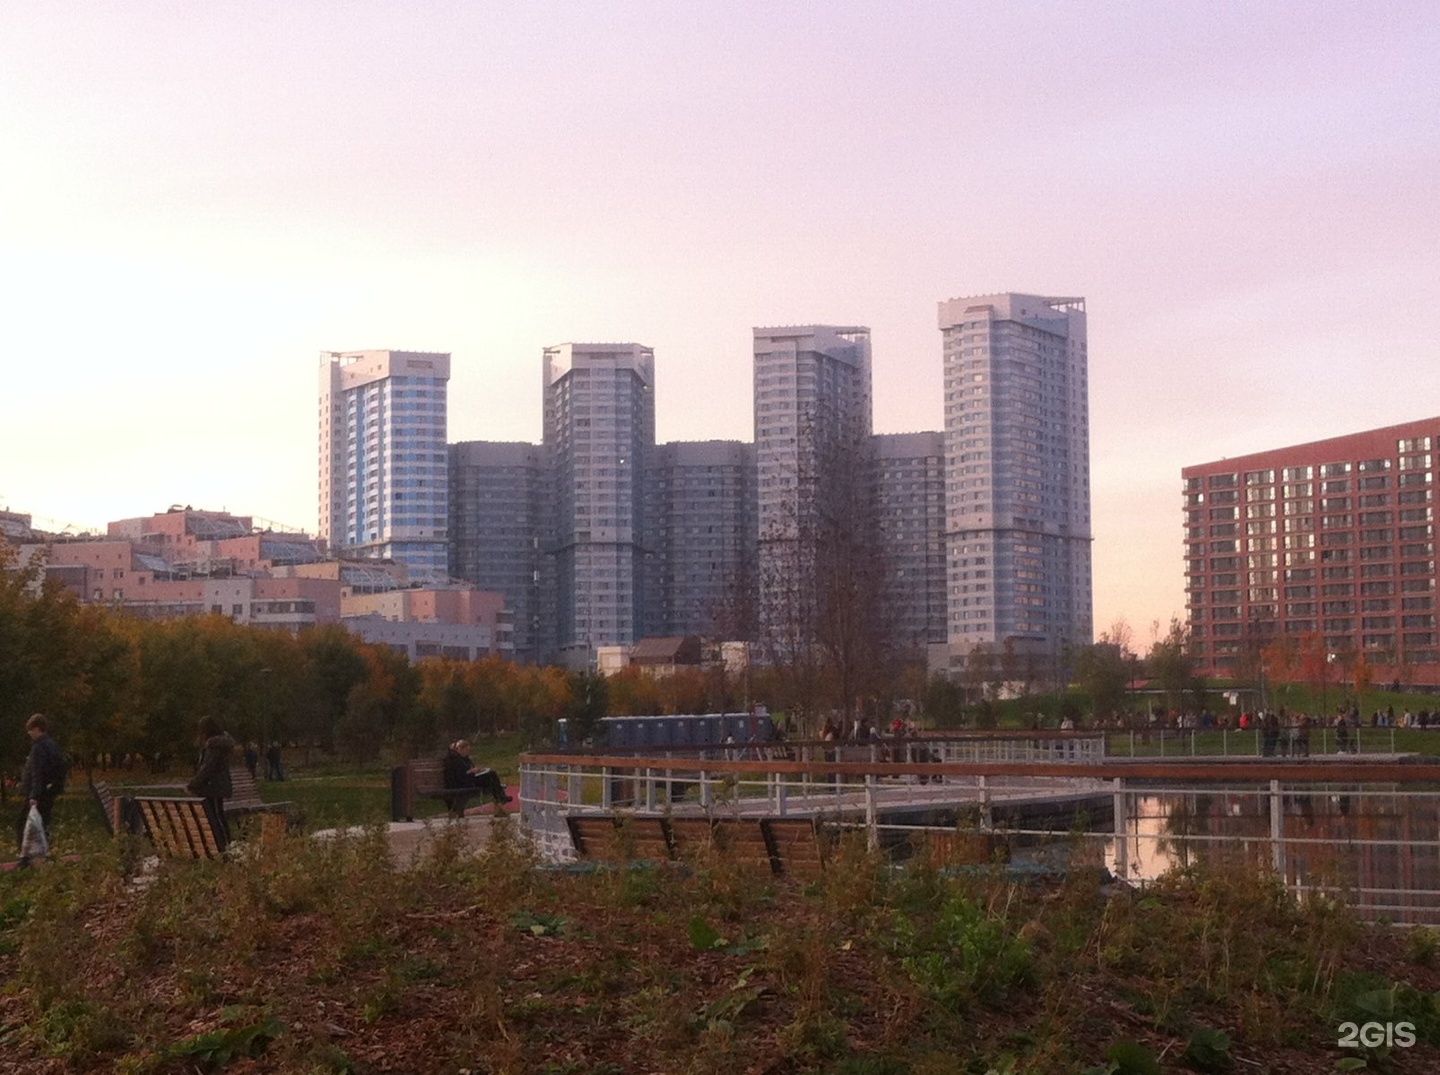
(33, 844)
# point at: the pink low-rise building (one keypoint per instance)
(124, 575)
(193, 563)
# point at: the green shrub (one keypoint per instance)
(965, 954)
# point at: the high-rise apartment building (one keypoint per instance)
(1017, 462)
(383, 457)
(499, 497)
(599, 431)
(909, 497)
(702, 548)
(812, 433)
(1327, 548)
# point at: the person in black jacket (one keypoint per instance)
(461, 775)
(42, 779)
(211, 781)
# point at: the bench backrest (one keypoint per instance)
(179, 828)
(777, 845)
(105, 799)
(426, 774)
(797, 845)
(418, 777)
(611, 838)
(244, 793)
(743, 840)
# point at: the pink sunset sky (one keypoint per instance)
(197, 199)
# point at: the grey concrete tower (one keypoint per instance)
(1017, 459)
(599, 432)
(812, 419)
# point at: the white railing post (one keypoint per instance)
(1122, 831)
(705, 789)
(872, 830)
(1277, 830)
(606, 799)
(987, 820)
(649, 788)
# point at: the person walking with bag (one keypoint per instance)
(41, 782)
(211, 781)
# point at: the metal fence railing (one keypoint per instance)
(1364, 831)
(1289, 742)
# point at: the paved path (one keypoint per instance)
(408, 839)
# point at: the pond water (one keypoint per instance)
(1379, 846)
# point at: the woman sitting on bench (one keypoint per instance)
(462, 775)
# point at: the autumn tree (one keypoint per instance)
(825, 621)
(1103, 670)
(944, 702)
(589, 703)
(633, 693)
(1171, 665)
(331, 668)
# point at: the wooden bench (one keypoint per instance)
(117, 811)
(423, 778)
(957, 848)
(743, 841)
(179, 828)
(692, 836)
(245, 797)
(798, 846)
(783, 846)
(615, 838)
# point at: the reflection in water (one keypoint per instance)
(1381, 847)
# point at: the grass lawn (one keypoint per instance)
(328, 957)
(328, 793)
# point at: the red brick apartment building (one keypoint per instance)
(1330, 545)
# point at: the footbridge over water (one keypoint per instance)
(1362, 828)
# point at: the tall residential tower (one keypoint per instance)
(599, 432)
(383, 457)
(702, 546)
(812, 438)
(1017, 461)
(499, 497)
